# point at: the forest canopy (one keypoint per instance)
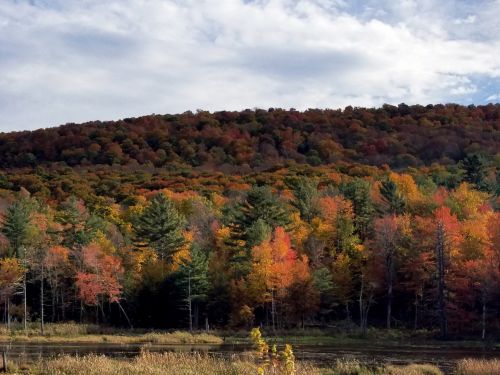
(386, 217)
(399, 136)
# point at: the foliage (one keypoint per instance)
(160, 227)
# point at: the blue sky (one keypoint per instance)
(79, 60)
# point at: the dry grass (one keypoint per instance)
(92, 334)
(199, 364)
(354, 367)
(156, 364)
(413, 369)
(478, 367)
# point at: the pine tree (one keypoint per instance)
(160, 227)
(393, 198)
(193, 279)
(306, 194)
(250, 222)
(16, 227)
(358, 192)
(475, 171)
(80, 228)
(260, 204)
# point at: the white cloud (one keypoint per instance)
(493, 98)
(77, 60)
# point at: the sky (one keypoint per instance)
(80, 60)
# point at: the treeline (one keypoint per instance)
(279, 249)
(399, 136)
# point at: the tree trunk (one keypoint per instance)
(8, 314)
(25, 304)
(483, 319)
(196, 313)
(361, 302)
(415, 318)
(189, 304)
(440, 248)
(390, 277)
(273, 310)
(41, 302)
(54, 304)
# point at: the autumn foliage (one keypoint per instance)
(385, 217)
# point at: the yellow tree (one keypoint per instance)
(11, 277)
(275, 267)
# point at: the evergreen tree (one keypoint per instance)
(80, 228)
(358, 192)
(160, 227)
(250, 223)
(260, 205)
(16, 227)
(346, 239)
(193, 280)
(475, 171)
(306, 194)
(390, 194)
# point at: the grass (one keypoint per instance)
(201, 364)
(197, 364)
(93, 334)
(375, 336)
(478, 367)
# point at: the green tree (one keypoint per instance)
(80, 228)
(306, 197)
(260, 204)
(358, 192)
(396, 204)
(160, 227)
(475, 170)
(250, 221)
(16, 227)
(193, 279)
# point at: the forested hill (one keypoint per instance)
(400, 136)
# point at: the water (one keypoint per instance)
(322, 355)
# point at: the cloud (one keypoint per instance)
(78, 60)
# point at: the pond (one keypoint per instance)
(322, 355)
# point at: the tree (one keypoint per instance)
(192, 277)
(306, 197)
(446, 238)
(250, 221)
(15, 226)
(475, 170)
(100, 279)
(390, 232)
(160, 227)
(11, 278)
(56, 263)
(275, 268)
(78, 226)
(343, 281)
(485, 275)
(358, 192)
(392, 197)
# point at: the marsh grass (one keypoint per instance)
(171, 363)
(89, 333)
(156, 364)
(201, 364)
(478, 367)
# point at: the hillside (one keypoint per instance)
(381, 217)
(402, 136)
